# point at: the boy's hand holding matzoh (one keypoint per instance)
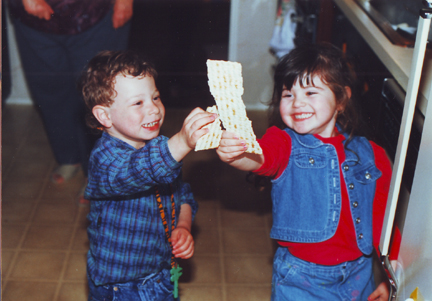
(226, 86)
(193, 128)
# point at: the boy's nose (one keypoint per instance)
(152, 108)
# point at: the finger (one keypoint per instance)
(185, 252)
(200, 119)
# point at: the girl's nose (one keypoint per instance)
(298, 102)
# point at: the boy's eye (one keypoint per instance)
(138, 103)
(157, 98)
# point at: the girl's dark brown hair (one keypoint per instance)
(97, 80)
(334, 69)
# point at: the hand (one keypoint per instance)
(183, 243)
(381, 293)
(230, 147)
(123, 10)
(185, 140)
(38, 8)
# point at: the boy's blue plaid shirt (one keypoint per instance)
(127, 239)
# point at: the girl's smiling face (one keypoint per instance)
(137, 112)
(310, 109)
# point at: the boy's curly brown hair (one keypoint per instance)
(97, 80)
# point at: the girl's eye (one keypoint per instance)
(309, 93)
(138, 103)
(157, 98)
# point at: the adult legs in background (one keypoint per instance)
(52, 64)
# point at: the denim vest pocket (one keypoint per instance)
(310, 160)
(367, 174)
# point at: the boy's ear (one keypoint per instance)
(102, 115)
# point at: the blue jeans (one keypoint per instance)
(295, 279)
(155, 287)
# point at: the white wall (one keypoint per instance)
(415, 258)
(251, 28)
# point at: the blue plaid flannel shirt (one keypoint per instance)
(126, 234)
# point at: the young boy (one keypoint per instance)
(134, 182)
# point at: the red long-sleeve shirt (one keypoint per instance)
(342, 246)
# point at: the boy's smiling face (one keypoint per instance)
(137, 112)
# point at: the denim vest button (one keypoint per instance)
(368, 176)
(346, 167)
(360, 236)
(115, 288)
(311, 161)
(358, 220)
(351, 186)
(355, 204)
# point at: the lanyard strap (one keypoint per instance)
(165, 223)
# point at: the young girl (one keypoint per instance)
(329, 186)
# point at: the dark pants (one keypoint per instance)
(52, 64)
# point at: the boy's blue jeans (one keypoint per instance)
(295, 279)
(155, 287)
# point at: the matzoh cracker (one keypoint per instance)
(213, 137)
(226, 86)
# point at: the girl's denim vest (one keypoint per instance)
(307, 196)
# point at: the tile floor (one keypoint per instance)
(44, 240)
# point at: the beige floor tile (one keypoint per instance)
(76, 267)
(17, 209)
(18, 189)
(200, 293)
(201, 269)
(248, 293)
(6, 259)
(12, 235)
(248, 269)
(241, 219)
(246, 241)
(48, 237)
(56, 213)
(65, 192)
(25, 171)
(35, 265)
(29, 290)
(41, 153)
(73, 292)
(206, 240)
(81, 242)
(207, 214)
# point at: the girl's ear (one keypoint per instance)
(101, 113)
(348, 94)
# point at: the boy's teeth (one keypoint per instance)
(148, 125)
(303, 116)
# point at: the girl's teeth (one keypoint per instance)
(303, 116)
(149, 125)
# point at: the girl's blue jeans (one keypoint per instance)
(295, 279)
(155, 287)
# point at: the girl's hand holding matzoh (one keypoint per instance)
(230, 147)
(232, 150)
(185, 140)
